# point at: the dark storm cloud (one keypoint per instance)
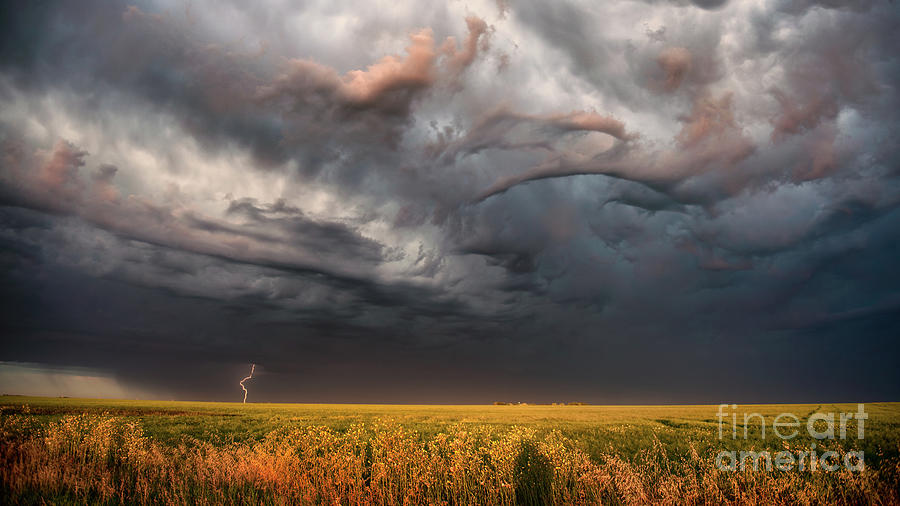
(228, 95)
(528, 197)
(98, 44)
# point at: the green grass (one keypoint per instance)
(89, 451)
(623, 430)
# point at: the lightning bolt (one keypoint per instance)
(252, 368)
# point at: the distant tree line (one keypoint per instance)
(572, 403)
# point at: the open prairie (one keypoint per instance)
(87, 450)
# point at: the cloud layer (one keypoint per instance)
(616, 201)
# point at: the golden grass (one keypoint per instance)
(103, 459)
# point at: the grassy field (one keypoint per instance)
(87, 450)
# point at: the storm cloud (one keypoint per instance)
(630, 201)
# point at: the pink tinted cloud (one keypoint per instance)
(390, 83)
(709, 140)
(60, 170)
(675, 62)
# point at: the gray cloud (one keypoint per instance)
(524, 196)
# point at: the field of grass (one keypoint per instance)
(87, 450)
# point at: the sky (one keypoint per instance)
(629, 201)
